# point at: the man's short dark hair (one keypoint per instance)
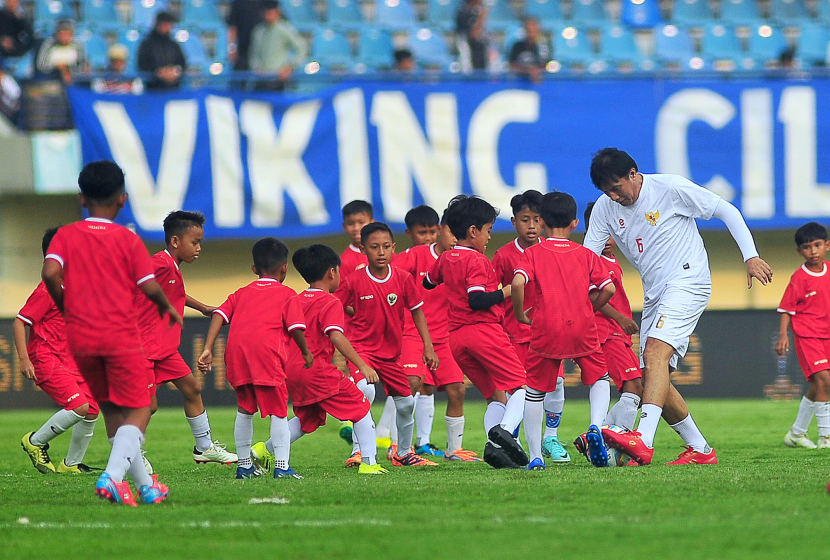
(530, 199)
(270, 5)
(357, 207)
(401, 55)
(165, 17)
(609, 164)
(47, 239)
(314, 261)
(422, 215)
(101, 180)
(810, 232)
(587, 215)
(269, 254)
(464, 211)
(558, 209)
(177, 223)
(374, 227)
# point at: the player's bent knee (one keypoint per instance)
(81, 410)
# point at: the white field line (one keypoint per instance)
(25, 523)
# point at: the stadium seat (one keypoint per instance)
(442, 13)
(766, 43)
(641, 14)
(215, 42)
(205, 12)
(673, 46)
(812, 44)
(589, 13)
(21, 67)
(51, 10)
(194, 51)
(548, 12)
(95, 47)
(331, 50)
(512, 35)
(691, 13)
(722, 48)
(396, 15)
(429, 48)
(131, 38)
(789, 12)
(740, 13)
(572, 47)
(144, 13)
(824, 11)
(618, 46)
(97, 13)
(376, 48)
(344, 14)
(500, 15)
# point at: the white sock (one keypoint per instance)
(689, 432)
(823, 418)
(294, 430)
(243, 435)
(364, 429)
(126, 450)
(405, 421)
(805, 415)
(384, 427)
(649, 420)
(600, 397)
(61, 421)
(493, 415)
(455, 433)
(554, 405)
(281, 440)
(514, 411)
(81, 436)
(424, 414)
(624, 413)
(200, 426)
(368, 391)
(533, 417)
(138, 472)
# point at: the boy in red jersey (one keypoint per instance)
(183, 232)
(46, 361)
(562, 276)
(478, 342)
(263, 316)
(324, 389)
(423, 229)
(804, 308)
(101, 263)
(377, 298)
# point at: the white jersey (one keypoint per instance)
(658, 234)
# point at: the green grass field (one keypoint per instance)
(762, 499)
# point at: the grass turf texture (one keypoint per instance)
(762, 498)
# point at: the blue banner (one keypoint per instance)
(266, 164)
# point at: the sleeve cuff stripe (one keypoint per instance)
(475, 289)
(145, 279)
(333, 328)
(416, 307)
(601, 286)
(222, 314)
(779, 310)
(523, 273)
(54, 257)
(296, 326)
(25, 319)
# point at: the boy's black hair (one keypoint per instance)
(609, 164)
(101, 180)
(422, 215)
(374, 227)
(587, 214)
(269, 254)
(464, 211)
(357, 207)
(810, 232)
(401, 54)
(531, 200)
(47, 238)
(558, 209)
(177, 223)
(314, 261)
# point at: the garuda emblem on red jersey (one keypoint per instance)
(392, 298)
(652, 217)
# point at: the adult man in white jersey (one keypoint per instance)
(652, 219)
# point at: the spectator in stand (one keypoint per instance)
(162, 55)
(404, 61)
(114, 80)
(244, 15)
(276, 48)
(60, 55)
(472, 36)
(529, 56)
(16, 35)
(10, 93)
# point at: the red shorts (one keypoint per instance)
(391, 373)
(485, 354)
(64, 385)
(623, 364)
(348, 404)
(412, 360)
(523, 349)
(170, 368)
(813, 354)
(542, 372)
(269, 400)
(120, 379)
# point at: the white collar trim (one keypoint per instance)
(172, 259)
(432, 250)
(379, 280)
(815, 274)
(353, 248)
(101, 220)
(266, 279)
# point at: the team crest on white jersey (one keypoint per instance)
(652, 217)
(392, 298)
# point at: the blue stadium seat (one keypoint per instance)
(692, 13)
(721, 48)
(442, 13)
(673, 46)
(812, 44)
(512, 35)
(131, 38)
(47, 11)
(396, 15)
(99, 13)
(376, 48)
(789, 12)
(500, 15)
(95, 47)
(766, 43)
(194, 51)
(589, 13)
(344, 14)
(618, 46)
(331, 50)
(572, 46)
(824, 11)
(548, 12)
(205, 12)
(641, 14)
(740, 13)
(144, 13)
(215, 42)
(429, 48)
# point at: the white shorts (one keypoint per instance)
(673, 317)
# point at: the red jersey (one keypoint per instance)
(417, 261)
(102, 265)
(380, 305)
(48, 331)
(323, 314)
(464, 270)
(158, 338)
(563, 318)
(351, 260)
(505, 262)
(807, 300)
(261, 315)
(606, 326)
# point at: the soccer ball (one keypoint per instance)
(617, 458)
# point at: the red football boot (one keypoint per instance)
(692, 457)
(630, 443)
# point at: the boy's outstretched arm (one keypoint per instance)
(203, 308)
(517, 296)
(52, 275)
(26, 367)
(299, 338)
(205, 361)
(601, 297)
(430, 358)
(629, 326)
(783, 344)
(153, 291)
(345, 347)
